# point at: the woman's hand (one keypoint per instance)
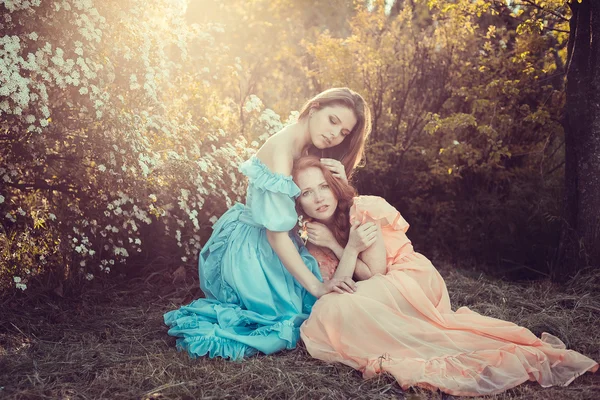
(320, 235)
(362, 236)
(336, 285)
(336, 168)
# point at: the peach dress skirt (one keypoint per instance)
(401, 323)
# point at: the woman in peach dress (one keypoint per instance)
(399, 319)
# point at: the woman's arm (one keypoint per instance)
(360, 270)
(321, 236)
(368, 263)
(290, 258)
(360, 238)
(375, 257)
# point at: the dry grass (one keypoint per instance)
(111, 343)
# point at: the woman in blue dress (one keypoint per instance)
(260, 282)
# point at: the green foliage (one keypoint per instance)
(476, 172)
(122, 123)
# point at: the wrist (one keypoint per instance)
(331, 245)
(337, 249)
(314, 288)
(350, 250)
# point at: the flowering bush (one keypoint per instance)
(112, 135)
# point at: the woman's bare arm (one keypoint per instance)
(375, 256)
(354, 266)
(288, 254)
(359, 269)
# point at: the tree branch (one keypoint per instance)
(557, 15)
(556, 149)
(522, 20)
(555, 168)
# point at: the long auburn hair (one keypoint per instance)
(343, 192)
(351, 150)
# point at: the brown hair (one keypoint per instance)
(343, 192)
(351, 150)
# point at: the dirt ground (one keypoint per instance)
(110, 343)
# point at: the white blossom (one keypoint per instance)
(47, 58)
(253, 103)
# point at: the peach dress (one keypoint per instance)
(401, 323)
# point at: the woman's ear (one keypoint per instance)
(314, 107)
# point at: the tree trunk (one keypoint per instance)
(580, 239)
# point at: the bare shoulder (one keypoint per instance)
(276, 154)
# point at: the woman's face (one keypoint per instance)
(316, 197)
(330, 125)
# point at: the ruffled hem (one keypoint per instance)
(286, 330)
(197, 335)
(214, 346)
(473, 374)
(377, 209)
(264, 179)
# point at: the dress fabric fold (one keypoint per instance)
(401, 323)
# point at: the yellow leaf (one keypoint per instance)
(441, 151)
(40, 223)
(449, 171)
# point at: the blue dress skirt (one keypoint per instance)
(253, 304)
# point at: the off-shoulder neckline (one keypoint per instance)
(256, 161)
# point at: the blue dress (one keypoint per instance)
(253, 304)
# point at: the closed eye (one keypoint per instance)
(334, 121)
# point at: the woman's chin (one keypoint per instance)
(324, 219)
(316, 218)
(320, 143)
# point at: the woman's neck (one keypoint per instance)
(300, 136)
